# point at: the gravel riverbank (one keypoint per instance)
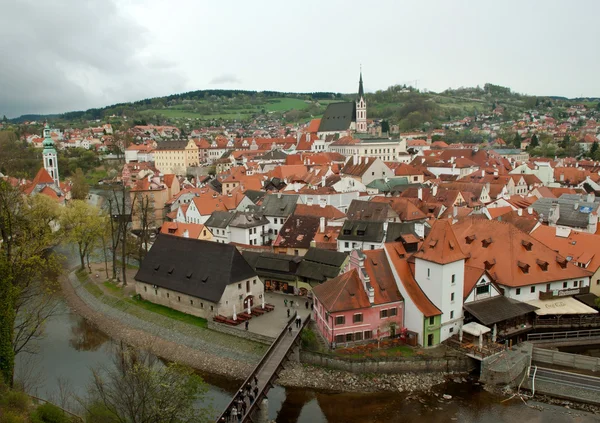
(217, 353)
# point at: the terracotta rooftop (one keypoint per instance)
(441, 245)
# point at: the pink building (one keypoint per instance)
(363, 303)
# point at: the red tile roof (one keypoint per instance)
(407, 278)
(342, 293)
(441, 245)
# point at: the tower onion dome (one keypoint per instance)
(48, 143)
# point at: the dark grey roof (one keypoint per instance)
(270, 265)
(219, 219)
(317, 272)
(361, 91)
(588, 299)
(255, 196)
(273, 155)
(338, 117)
(572, 213)
(498, 309)
(580, 198)
(193, 267)
(172, 145)
(395, 230)
(370, 211)
(328, 257)
(279, 205)
(298, 232)
(247, 220)
(356, 230)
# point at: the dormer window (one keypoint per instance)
(543, 264)
(489, 263)
(527, 244)
(486, 242)
(523, 266)
(470, 238)
(562, 262)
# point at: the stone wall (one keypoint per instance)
(240, 332)
(417, 365)
(558, 358)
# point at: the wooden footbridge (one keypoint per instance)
(267, 371)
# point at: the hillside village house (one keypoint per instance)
(382, 148)
(361, 304)
(198, 277)
(365, 169)
(157, 191)
(176, 156)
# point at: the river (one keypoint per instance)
(72, 347)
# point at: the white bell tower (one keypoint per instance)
(361, 108)
(50, 156)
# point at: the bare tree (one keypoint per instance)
(138, 388)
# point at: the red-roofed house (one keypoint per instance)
(362, 304)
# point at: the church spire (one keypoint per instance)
(361, 91)
(50, 157)
(361, 108)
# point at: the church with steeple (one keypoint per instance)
(46, 181)
(345, 118)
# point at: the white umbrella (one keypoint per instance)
(234, 313)
(249, 311)
(494, 333)
(480, 341)
(263, 301)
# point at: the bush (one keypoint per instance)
(10, 417)
(49, 413)
(15, 401)
(309, 339)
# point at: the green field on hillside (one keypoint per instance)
(283, 104)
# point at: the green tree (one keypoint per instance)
(385, 127)
(80, 188)
(594, 149)
(566, 142)
(26, 266)
(83, 224)
(138, 388)
(517, 140)
(534, 141)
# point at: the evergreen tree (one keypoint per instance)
(565, 142)
(594, 149)
(385, 127)
(534, 141)
(517, 140)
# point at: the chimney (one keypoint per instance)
(385, 228)
(483, 173)
(371, 294)
(307, 136)
(434, 190)
(591, 197)
(495, 173)
(297, 223)
(420, 194)
(576, 205)
(529, 210)
(186, 234)
(520, 212)
(278, 195)
(322, 225)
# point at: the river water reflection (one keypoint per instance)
(72, 346)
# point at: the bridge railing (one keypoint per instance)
(258, 366)
(573, 334)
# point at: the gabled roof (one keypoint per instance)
(279, 205)
(342, 293)
(338, 117)
(328, 212)
(219, 219)
(512, 257)
(214, 266)
(498, 309)
(441, 245)
(330, 258)
(381, 277)
(370, 211)
(179, 229)
(358, 230)
(297, 232)
(358, 168)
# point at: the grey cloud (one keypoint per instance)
(75, 54)
(225, 78)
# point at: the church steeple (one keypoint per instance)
(361, 108)
(50, 156)
(361, 91)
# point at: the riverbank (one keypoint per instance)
(218, 353)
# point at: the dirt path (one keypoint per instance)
(172, 351)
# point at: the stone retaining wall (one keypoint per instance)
(558, 358)
(230, 330)
(425, 365)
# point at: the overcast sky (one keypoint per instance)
(63, 55)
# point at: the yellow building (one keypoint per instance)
(176, 156)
